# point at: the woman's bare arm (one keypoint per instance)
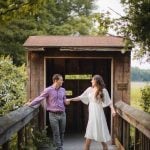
(112, 109)
(73, 99)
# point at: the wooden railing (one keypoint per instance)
(16, 122)
(133, 128)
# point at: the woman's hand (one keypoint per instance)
(113, 112)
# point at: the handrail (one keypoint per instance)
(139, 119)
(16, 120)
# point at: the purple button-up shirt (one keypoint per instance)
(54, 99)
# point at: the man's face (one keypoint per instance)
(59, 82)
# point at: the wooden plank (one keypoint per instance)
(29, 76)
(37, 82)
(119, 145)
(76, 142)
(41, 78)
(20, 138)
(139, 119)
(126, 77)
(55, 52)
(5, 146)
(72, 67)
(126, 134)
(14, 121)
(122, 77)
(26, 134)
(36, 64)
(117, 78)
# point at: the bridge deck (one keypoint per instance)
(76, 141)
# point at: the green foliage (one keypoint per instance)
(94, 24)
(140, 95)
(72, 18)
(135, 26)
(136, 93)
(12, 85)
(9, 9)
(145, 99)
(40, 138)
(48, 17)
(16, 24)
(140, 74)
(13, 36)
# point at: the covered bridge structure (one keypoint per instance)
(78, 58)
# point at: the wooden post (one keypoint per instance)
(5, 146)
(41, 124)
(126, 134)
(20, 139)
(37, 82)
(137, 140)
(26, 134)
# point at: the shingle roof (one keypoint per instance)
(74, 41)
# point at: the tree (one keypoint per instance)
(138, 74)
(13, 35)
(14, 28)
(94, 24)
(12, 85)
(135, 26)
(73, 17)
(55, 17)
(145, 99)
(10, 9)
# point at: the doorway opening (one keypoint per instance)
(77, 75)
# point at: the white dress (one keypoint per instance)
(97, 128)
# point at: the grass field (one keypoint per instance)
(136, 93)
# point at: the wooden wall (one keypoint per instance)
(121, 72)
(121, 84)
(35, 85)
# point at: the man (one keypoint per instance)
(55, 100)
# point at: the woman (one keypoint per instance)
(97, 97)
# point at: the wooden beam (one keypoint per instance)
(5, 146)
(20, 138)
(16, 120)
(119, 145)
(139, 119)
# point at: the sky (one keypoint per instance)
(110, 5)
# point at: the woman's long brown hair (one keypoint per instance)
(100, 85)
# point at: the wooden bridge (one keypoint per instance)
(19, 121)
(78, 59)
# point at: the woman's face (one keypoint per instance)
(93, 82)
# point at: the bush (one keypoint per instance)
(41, 140)
(145, 98)
(12, 85)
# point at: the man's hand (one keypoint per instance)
(27, 104)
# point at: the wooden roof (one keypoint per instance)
(74, 41)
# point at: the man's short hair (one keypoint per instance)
(56, 77)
